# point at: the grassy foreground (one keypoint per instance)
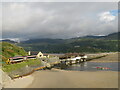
(12, 67)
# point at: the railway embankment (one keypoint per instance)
(13, 72)
(27, 67)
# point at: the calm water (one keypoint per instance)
(92, 66)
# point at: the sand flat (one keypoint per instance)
(20, 82)
(74, 79)
(56, 78)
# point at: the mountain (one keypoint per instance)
(11, 50)
(7, 40)
(94, 37)
(44, 40)
(84, 44)
(112, 36)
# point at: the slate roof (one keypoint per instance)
(34, 52)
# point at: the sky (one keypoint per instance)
(63, 20)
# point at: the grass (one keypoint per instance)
(11, 50)
(12, 67)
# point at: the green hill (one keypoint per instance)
(108, 43)
(10, 50)
(113, 36)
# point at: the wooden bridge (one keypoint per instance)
(74, 60)
(67, 61)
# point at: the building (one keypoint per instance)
(38, 54)
(31, 55)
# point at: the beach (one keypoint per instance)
(56, 78)
(74, 79)
(19, 82)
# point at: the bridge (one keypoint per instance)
(68, 61)
(74, 60)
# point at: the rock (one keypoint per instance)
(4, 78)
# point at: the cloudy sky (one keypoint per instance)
(58, 19)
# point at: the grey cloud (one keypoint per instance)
(55, 20)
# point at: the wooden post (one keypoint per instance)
(70, 62)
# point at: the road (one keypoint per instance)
(74, 79)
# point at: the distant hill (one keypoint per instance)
(112, 36)
(94, 37)
(87, 44)
(44, 40)
(7, 40)
(11, 50)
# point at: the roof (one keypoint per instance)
(34, 52)
(78, 57)
(45, 54)
(17, 57)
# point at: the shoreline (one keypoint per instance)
(20, 82)
(30, 81)
(106, 61)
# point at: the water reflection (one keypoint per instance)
(92, 66)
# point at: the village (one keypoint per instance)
(49, 59)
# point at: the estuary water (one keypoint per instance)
(94, 66)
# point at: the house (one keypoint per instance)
(38, 54)
(46, 55)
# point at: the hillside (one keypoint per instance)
(112, 36)
(7, 40)
(86, 44)
(11, 50)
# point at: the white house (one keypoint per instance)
(38, 54)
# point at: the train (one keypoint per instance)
(13, 60)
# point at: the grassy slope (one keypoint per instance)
(10, 50)
(12, 67)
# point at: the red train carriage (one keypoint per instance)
(16, 59)
(31, 57)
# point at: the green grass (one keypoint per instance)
(12, 67)
(11, 50)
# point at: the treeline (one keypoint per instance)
(77, 45)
